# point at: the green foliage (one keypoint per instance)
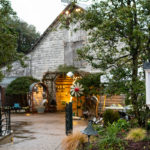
(122, 124)
(99, 129)
(20, 86)
(148, 125)
(136, 134)
(65, 69)
(7, 34)
(134, 123)
(110, 116)
(118, 43)
(110, 141)
(91, 84)
(15, 35)
(26, 35)
(142, 111)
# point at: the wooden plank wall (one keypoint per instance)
(116, 99)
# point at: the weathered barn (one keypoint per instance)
(57, 46)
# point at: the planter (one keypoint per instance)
(40, 109)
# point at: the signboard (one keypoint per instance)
(147, 75)
(148, 87)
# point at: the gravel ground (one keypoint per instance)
(39, 131)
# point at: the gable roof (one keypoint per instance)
(54, 22)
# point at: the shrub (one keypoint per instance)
(134, 123)
(72, 142)
(20, 85)
(136, 134)
(148, 125)
(90, 84)
(122, 124)
(110, 116)
(110, 141)
(16, 92)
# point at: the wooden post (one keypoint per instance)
(104, 102)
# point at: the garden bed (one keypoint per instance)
(141, 145)
(130, 145)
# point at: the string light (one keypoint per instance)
(67, 12)
(78, 9)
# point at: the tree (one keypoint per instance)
(8, 36)
(118, 44)
(91, 84)
(15, 36)
(27, 35)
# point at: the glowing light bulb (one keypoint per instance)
(78, 9)
(67, 12)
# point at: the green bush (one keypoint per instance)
(16, 91)
(110, 116)
(109, 140)
(20, 86)
(122, 124)
(134, 123)
(148, 125)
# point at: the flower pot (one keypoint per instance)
(40, 109)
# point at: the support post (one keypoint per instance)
(0, 121)
(69, 124)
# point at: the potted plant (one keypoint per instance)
(41, 108)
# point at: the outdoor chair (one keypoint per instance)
(16, 106)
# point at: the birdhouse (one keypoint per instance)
(147, 82)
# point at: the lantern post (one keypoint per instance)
(69, 119)
(89, 130)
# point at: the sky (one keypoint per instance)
(39, 13)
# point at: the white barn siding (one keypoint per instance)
(51, 52)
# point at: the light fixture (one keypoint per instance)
(78, 9)
(67, 12)
(70, 74)
(89, 130)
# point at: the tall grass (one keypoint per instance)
(136, 134)
(72, 142)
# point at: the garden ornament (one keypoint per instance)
(76, 91)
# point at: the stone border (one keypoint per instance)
(6, 139)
